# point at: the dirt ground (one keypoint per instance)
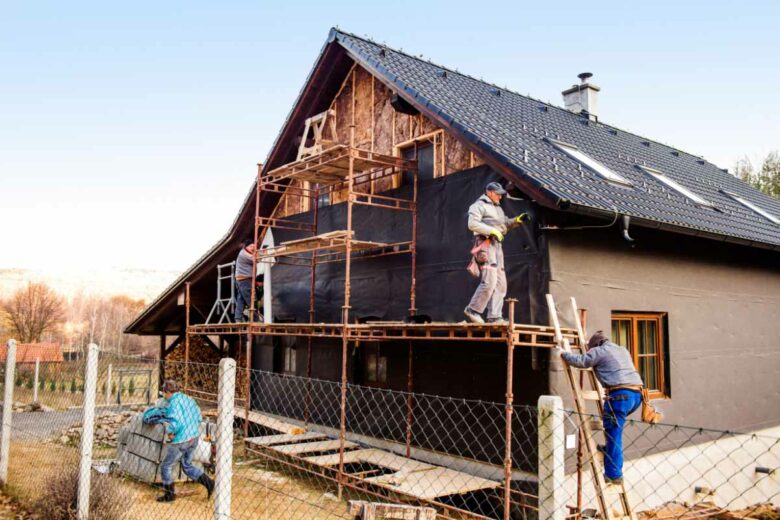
(258, 493)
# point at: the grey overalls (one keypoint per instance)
(484, 216)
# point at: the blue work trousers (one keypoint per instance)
(180, 451)
(243, 299)
(617, 408)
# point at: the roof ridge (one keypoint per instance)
(514, 92)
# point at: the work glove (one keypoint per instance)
(522, 218)
(498, 234)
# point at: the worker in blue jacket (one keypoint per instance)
(182, 418)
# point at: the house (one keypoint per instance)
(29, 353)
(671, 255)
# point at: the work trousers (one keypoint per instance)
(244, 299)
(491, 290)
(619, 405)
(180, 451)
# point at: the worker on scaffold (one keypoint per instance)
(243, 280)
(489, 225)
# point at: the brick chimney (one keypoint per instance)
(583, 98)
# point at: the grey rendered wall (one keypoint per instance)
(723, 305)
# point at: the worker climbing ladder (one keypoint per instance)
(581, 396)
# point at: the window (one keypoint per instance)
(659, 176)
(577, 154)
(423, 153)
(323, 199)
(771, 218)
(643, 334)
(289, 361)
(375, 367)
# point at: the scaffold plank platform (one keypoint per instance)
(324, 244)
(332, 166)
(523, 335)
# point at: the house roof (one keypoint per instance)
(516, 135)
(29, 352)
(520, 132)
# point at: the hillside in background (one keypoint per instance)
(139, 284)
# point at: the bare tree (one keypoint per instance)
(766, 179)
(33, 311)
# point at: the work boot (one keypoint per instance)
(497, 321)
(207, 483)
(616, 481)
(169, 495)
(473, 316)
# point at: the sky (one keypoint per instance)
(130, 131)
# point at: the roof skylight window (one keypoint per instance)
(771, 218)
(660, 177)
(577, 154)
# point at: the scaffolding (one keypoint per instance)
(343, 168)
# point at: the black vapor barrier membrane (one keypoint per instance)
(380, 286)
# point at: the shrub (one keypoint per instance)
(58, 498)
(73, 386)
(19, 380)
(62, 386)
(42, 383)
(52, 386)
(131, 387)
(29, 384)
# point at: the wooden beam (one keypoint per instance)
(173, 345)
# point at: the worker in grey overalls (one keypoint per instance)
(489, 225)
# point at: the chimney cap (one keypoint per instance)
(585, 76)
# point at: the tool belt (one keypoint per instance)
(243, 278)
(649, 413)
(479, 255)
(635, 388)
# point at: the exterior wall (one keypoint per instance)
(723, 305)
(365, 101)
(726, 465)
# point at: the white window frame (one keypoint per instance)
(581, 157)
(289, 361)
(679, 188)
(749, 205)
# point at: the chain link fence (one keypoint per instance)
(306, 448)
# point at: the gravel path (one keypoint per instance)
(45, 425)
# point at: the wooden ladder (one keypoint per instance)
(581, 396)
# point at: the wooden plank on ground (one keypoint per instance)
(433, 483)
(284, 438)
(269, 422)
(371, 456)
(375, 510)
(311, 447)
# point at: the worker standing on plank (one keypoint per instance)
(182, 420)
(489, 225)
(615, 370)
(244, 262)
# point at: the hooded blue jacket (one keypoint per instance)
(183, 417)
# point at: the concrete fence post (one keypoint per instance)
(551, 458)
(8, 409)
(88, 430)
(224, 439)
(108, 385)
(37, 373)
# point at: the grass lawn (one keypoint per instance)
(257, 492)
